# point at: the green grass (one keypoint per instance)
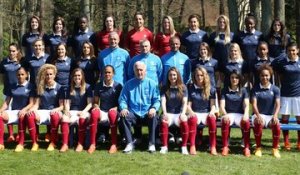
(142, 162)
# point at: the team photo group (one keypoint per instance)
(173, 81)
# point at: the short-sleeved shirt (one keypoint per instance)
(266, 98)
(50, 98)
(234, 100)
(27, 41)
(89, 67)
(78, 101)
(276, 49)
(199, 104)
(20, 95)
(173, 102)
(255, 65)
(77, 40)
(191, 41)
(64, 69)
(53, 40)
(33, 64)
(162, 43)
(240, 67)
(102, 39)
(108, 95)
(9, 70)
(211, 66)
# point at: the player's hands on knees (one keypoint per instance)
(124, 113)
(22, 113)
(151, 113)
(245, 117)
(165, 117)
(275, 120)
(259, 119)
(183, 117)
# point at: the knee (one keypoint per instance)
(183, 118)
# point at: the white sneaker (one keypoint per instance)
(163, 150)
(171, 140)
(151, 148)
(129, 148)
(184, 150)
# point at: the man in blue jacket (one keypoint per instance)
(139, 102)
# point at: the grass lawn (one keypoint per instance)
(142, 162)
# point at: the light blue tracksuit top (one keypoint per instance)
(118, 58)
(154, 66)
(139, 96)
(180, 61)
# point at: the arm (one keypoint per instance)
(222, 107)
(184, 105)
(23, 111)
(163, 105)
(276, 111)
(212, 107)
(255, 108)
(190, 110)
(246, 109)
(5, 104)
(60, 107)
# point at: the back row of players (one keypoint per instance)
(157, 69)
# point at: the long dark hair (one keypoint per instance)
(282, 33)
(179, 83)
(240, 77)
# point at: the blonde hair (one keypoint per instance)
(172, 28)
(235, 45)
(227, 29)
(40, 81)
(206, 85)
(82, 84)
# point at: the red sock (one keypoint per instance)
(82, 130)
(54, 123)
(65, 132)
(1, 131)
(164, 128)
(245, 125)
(225, 132)
(21, 129)
(192, 129)
(285, 132)
(95, 116)
(276, 135)
(112, 115)
(212, 127)
(184, 128)
(31, 127)
(10, 129)
(258, 133)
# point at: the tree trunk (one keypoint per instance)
(125, 24)
(168, 6)
(85, 8)
(297, 12)
(181, 11)
(151, 15)
(233, 15)
(160, 15)
(266, 16)
(1, 29)
(221, 7)
(202, 13)
(23, 17)
(279, 10)
(255, 9)
(139, 5)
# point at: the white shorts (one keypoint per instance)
(44, 116)
(173, 119)
(201, 118)
(265, 118)
(74, 116)
(103, 116)
(290, 105)
(235, 118)
(13, 117)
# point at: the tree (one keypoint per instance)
(279, 10)
(151, 15)
(181, 11)
(233, 15)
(255, 9)
(202, 13)
(221, 7)
(297, 9)
(1, 28)
(266, 15)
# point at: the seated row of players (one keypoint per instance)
(138, 103)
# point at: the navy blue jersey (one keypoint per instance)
(199, 104)
(276, 49)
(210, 65)
(53, 40)
(108, 95)
(234, 100)
(255, 65)
(20, 95)
(220, 48)
(77, 40)
(64, 69)
(248, 43)
(78, 101)
(50, 98)
(9, 70)
(33, 64)
(266, 98)
(191, 41)
(240, 67)
(290, 77)
(90, 69)
(173, 103)
(27, 41)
